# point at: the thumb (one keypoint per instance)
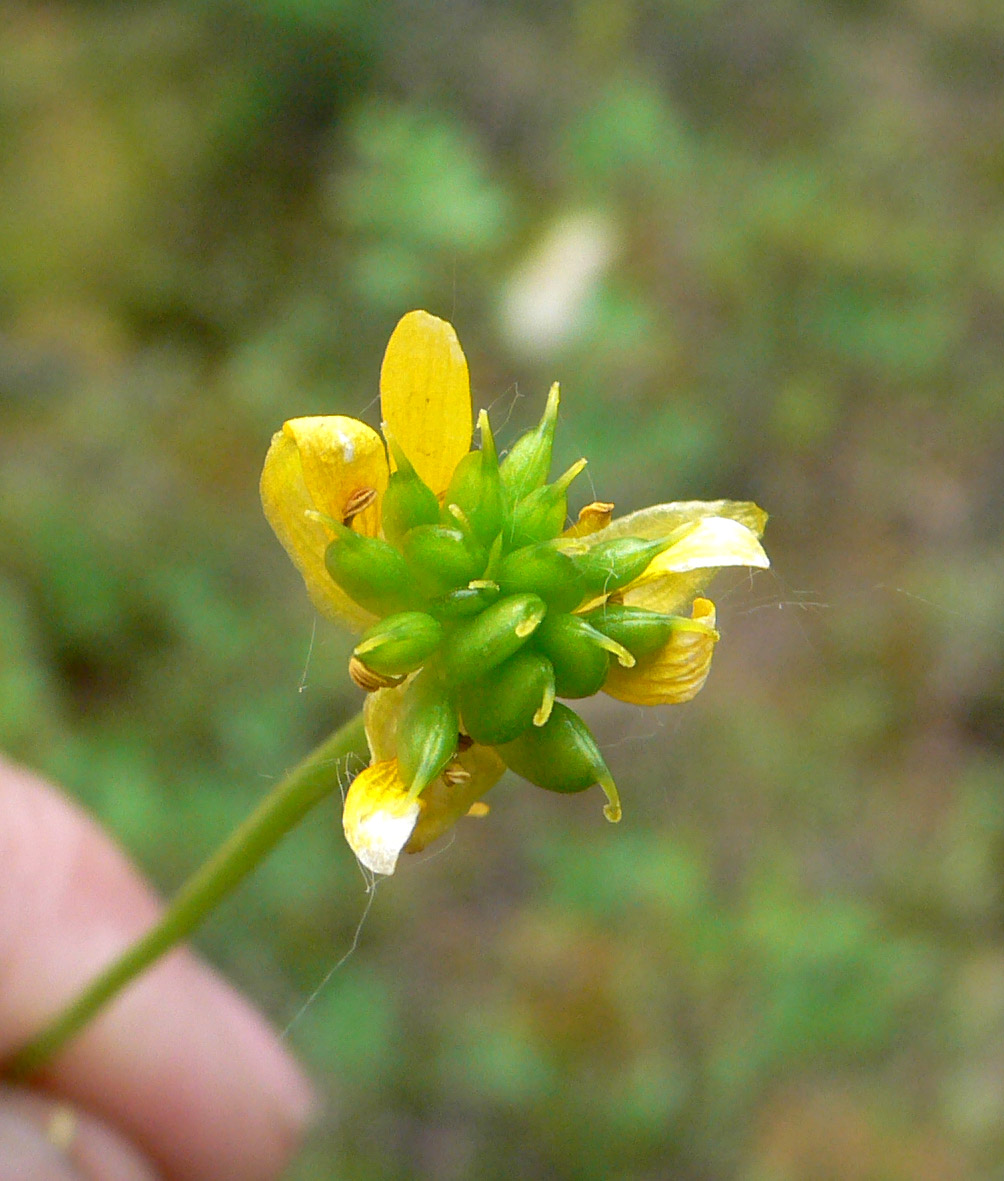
(43, 1139)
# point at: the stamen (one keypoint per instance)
(455, 775)
(367, 680)
(478, 809)
(359, 501)
(592, 518)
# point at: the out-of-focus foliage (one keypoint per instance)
(762, 247)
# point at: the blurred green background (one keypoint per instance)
(762, 247)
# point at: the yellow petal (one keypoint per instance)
(444, 803)
(286, 500)
(380, 714)
(378, 816)
(677, 671)
(340, 456)
(425, 396)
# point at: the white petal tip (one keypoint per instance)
(378, 838)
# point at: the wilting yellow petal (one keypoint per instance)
(380, 713)
(425, 396)
(677, 671)
(340, 456)
(592, 518)
(286, 501)
(378, 816)
(444, 803)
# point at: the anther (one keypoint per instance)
(367, 680)
(360, 500)
(455, 775)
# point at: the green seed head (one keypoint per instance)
(579, 654)
(442, 559)
(640, 631)
(609, 565)
(427, 730)
(370, 571)
(562, 756)
(526, 466)
(476, 489)
(408, 500)
(476, 645)
(400, 643)
(542, 514)
(499, 706)
(545, 570)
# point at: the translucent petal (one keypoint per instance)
(286, 500)
(677, 671)
(673, 578)
(659, 520)
(378, 816)
(425, 396)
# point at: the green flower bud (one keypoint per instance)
(562, 756)
(478, 644)
(609, 565)
(499, 706)
(545, 570)
(476, 488)
(543, 513)
(400, 643)
(370, 571)
(641, 631)
(427, 730)
(408, 501)
(465, 601)
(442, 559)
(579, 653)
(529, 460)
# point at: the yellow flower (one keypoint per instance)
(477, 610)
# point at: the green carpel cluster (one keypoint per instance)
(480, 602)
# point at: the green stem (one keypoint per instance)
(306, 785)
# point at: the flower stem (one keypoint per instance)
(315, 778)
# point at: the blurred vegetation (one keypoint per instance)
(762, 247)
